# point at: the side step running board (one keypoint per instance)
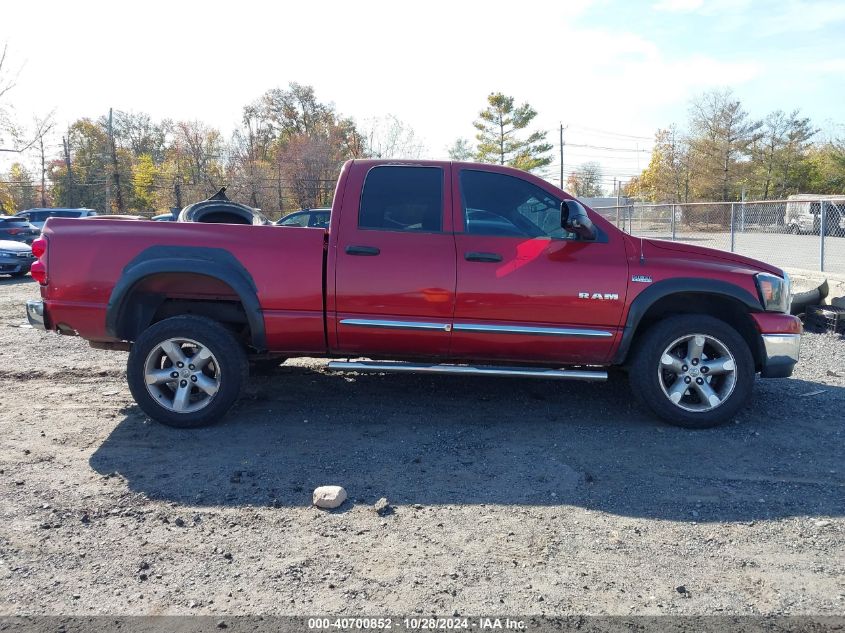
(468, 370)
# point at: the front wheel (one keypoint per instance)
(692, 370)
(186, 371)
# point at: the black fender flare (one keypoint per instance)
(681, 285)
(217, 263)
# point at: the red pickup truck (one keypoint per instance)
(434, 267)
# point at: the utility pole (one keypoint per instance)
(561, 155)
(43, 172)
(71, 186)
(115, 173)
(617, 185)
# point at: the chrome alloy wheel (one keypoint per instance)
(697, 372)
(182, 375)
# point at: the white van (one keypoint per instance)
(803, 214)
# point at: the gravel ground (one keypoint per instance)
(507, 496)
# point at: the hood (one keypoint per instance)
(713, 253)
(16, 247)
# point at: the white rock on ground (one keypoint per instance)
(329, 496)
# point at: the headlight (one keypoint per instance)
(775, 292)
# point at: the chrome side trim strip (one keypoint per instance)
(468, 370)
(397, 325)
(535, 331)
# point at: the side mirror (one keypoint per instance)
(574, 218)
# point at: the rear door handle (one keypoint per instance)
(366, 251)
(491, 258)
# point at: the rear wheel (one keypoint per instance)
(693, 371)
(186, 371)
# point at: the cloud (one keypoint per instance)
(799, 16)
(678, 6)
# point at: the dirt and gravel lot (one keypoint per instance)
(508, 496)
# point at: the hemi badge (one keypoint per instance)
(643, 279)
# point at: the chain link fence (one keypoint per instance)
(807, 234)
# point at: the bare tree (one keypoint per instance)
(585, 181)
(202, 146)
(43, 127)
(137, 132)
(390, 137)
(7, 82)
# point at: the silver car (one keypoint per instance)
(15, 258)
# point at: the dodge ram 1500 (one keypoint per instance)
(435, 267)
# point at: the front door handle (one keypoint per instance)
(490, 258)
(366, 251)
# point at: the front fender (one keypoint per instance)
(681, 285)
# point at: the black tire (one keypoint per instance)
(793, 229)
(229, 367)
(647, 377)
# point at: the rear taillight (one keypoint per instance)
(38, 271)
(13, 231)
(39, 247)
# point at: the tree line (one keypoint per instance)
(287, 149)
(284, 155)
(722, 153)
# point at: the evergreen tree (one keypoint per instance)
(499, 125)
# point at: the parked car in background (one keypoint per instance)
(803, 214)
(18, 229)
(15, 258)
(164, 217)
(315, 218)
(37, 217)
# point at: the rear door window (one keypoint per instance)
(400, 198)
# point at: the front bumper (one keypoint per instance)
(35, 313)
(781, 354)
(15, 265)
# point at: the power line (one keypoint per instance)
(611, 149)
(609, 133)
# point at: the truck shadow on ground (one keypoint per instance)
(447, 440)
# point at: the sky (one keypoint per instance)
(610, 72)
